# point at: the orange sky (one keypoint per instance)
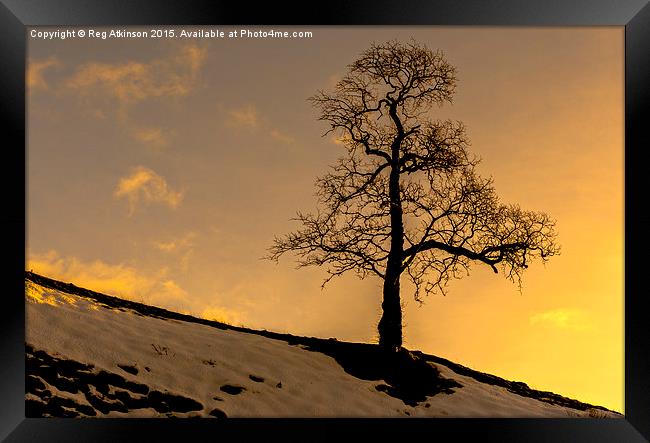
(160, 170)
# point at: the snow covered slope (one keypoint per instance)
(89, 354)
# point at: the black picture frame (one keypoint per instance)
(16, 15)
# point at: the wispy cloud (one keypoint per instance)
(221, 314)
(173, 290)
(249, 117)
(563, 318)
(245, 116)
(192, 55)
(333, 80)
(152, 136)
(176, 244)
(282, 137)
(35, 73)
(339, 140)
(132, 82)
(145, 185)
(182, 247)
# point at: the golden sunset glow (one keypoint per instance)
(160, 170)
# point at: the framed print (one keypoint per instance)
(351, 220)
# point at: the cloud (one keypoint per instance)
(174, 291)
(221, 314)
(333, 80)
(282, 137)
(182, 246)
(143, 184)
(166, 247)
(246, 116)
(114, 279)
(177, 244)
(562, 318)
(132, 82)
(340, 140)
(35, 70)
(193, 56)
(152, 136)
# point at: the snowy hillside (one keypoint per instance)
(89, 354)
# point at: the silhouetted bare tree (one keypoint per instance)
(406, 198)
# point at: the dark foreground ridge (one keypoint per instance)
(408, 375)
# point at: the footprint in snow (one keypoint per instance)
(218, 413)
(232, 390)
(128, 368)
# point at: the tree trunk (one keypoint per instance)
(390, 325)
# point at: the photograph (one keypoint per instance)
(325, 221)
